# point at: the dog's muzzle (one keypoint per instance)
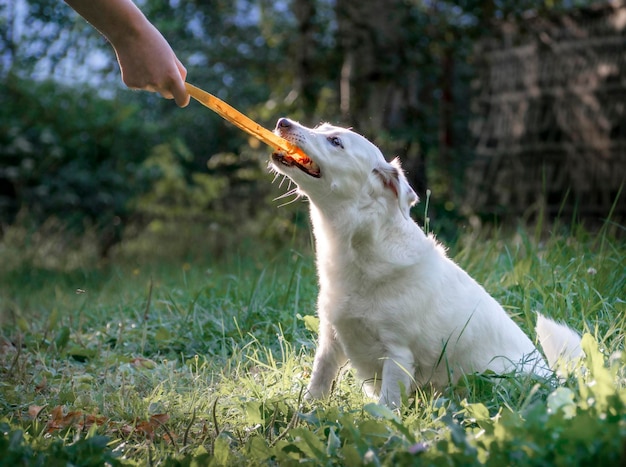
(305, 164)
(295, 159)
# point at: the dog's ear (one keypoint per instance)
(393, 178)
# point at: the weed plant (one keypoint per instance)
(204, 363)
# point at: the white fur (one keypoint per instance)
(390, 300)
(560, 343)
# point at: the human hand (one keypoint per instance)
(146, 59)
(148, 62)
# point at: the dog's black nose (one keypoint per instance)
(283, 123)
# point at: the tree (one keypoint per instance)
(398, 71)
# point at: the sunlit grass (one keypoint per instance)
(208, 358)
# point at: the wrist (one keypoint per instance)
(135, 25)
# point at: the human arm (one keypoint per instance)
(146, 59)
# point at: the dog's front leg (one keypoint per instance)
(398, 376)
(329, 356)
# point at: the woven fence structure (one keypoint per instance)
(550, 117)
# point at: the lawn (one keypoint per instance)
(204, 361)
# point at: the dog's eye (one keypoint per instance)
(335, 141)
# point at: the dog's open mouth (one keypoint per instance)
(299, 160)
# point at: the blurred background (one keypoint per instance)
(507, 111)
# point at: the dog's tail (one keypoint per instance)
(560, 343)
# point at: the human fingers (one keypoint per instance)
(178, 87)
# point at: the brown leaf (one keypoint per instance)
(58, 421)
(42, 384)
(57, 413)
(127, 429)
(169, 438)
(159, 419)
(35, 410)
(146, 428)
(87, 421)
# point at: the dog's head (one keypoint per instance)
(342, 164)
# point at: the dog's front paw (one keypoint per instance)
(315, 392)
(391, 401)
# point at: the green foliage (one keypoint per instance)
(203, 360)
(69, 155)
(73, 140)
(75, 152)
(172, 195)
(204, 363)
(15, 450)
(581, 425)
(76, 164)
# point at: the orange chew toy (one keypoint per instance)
(246, 124)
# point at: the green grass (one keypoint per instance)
(205, 361)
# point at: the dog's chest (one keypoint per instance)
(360, 302)
(360, 337)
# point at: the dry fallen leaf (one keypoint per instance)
(161, 418)
(147, 427)
(35, 410)
(76, 418)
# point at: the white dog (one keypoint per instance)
(390, 300)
